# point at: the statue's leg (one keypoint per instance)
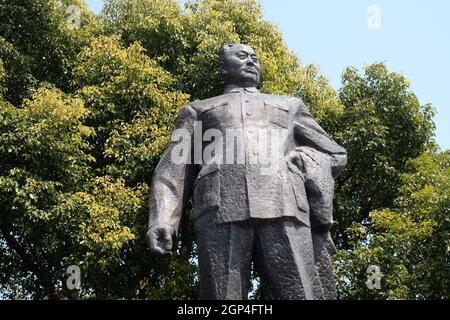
(224, 257)
(284, 259)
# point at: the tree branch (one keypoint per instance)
(29, 263)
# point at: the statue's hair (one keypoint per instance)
(223, 49)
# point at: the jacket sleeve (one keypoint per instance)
(321, 161)
(308, 133)
(172, 179)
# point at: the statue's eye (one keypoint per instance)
(242, 56)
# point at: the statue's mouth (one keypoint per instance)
(253, 71)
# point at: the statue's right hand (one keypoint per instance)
(160, 239)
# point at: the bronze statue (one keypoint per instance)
(277, 216)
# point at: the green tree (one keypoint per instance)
(76, 168)
(38, 44)
(43, 156)
(382, 126)
(410, 241)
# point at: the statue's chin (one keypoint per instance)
(245, 79)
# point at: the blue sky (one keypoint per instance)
(412, 38)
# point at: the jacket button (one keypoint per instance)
(249, 113)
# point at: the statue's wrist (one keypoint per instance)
(161, 225)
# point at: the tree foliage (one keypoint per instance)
(85, 114)
(382, 127)
(410, 241)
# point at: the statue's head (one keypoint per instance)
(239, 65)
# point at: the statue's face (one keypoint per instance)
(240, 66)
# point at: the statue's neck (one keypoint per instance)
(247, 86)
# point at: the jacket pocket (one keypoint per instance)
(277, 114)
(206, 191)
(214, 115)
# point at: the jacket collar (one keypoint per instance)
(231, 88)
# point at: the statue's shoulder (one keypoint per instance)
(201, 106)
(281, 99)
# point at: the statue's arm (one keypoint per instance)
(171, 185)
(307, 132)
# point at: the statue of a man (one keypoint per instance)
(275, 214)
